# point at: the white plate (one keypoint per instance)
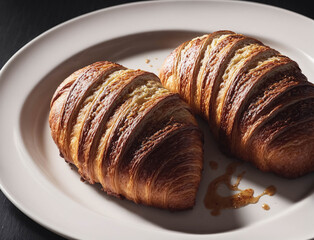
(43, 186)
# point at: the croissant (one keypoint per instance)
(259, 105)
(122, 129)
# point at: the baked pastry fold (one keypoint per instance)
(259, 105)
(122, 129)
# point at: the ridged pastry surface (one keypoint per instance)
(121, 128)
(258, 103)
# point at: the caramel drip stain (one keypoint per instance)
(271, 190)
(265, 207)
(216, 202)
(213, 165)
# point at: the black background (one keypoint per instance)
(20, 22)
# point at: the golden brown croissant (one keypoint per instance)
(257, 102)
(121, 128)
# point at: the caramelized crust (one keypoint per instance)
(256, 100)
(122, 129)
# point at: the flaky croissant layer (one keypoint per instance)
(122, 129)
(257, 102)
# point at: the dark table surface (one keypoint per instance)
(20, 22)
